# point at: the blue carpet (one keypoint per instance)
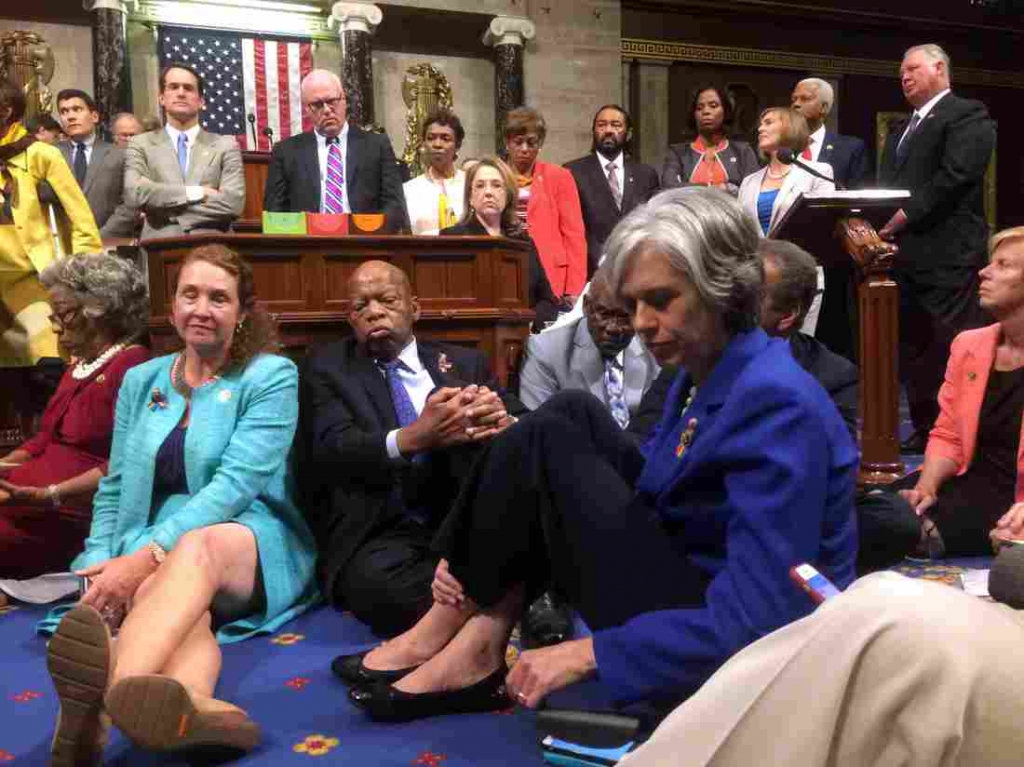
(286, 685)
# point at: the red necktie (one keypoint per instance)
(806, 154)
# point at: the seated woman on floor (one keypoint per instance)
(99, 308)
(677, 554)
(972, 479)
(490, 190)
(194, 532)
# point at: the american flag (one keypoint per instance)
(243, 76)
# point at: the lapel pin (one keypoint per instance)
(101, 378)
(732, 159)
(224, 395)
(971, 375)
(686, 438)
(158, 400)
(828, 147)
(443, 363)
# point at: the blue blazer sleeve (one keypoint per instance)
(777, 456)
(257, 449)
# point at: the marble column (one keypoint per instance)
(652, 96)
(111, 73)
(355, 23)
(507, 35)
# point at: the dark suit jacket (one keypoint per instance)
(837, 375)
(848, 157)
(104, 188)
(944, 168)
(372, 179)
(346, 476)
(599, 212)
(542, 298)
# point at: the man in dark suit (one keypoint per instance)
(336, 167)
(390, 425)
(610, 183)
(813, 98)
(940, 155)
(98, 166)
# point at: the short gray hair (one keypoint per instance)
(110, 290)
(707, 237)
(824, 90)
(123, 116)
(934, 52)
(797, 284)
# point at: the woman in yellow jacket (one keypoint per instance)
(26, 244)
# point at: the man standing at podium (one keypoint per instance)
(183, 178)
(336, 167)
(940, 155)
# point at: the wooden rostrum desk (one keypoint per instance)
(472, 291)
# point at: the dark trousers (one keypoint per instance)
(887, 529)
(552, 501)
(930, 318)
(837, 323)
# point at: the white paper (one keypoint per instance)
(975, 582)
(43, 590)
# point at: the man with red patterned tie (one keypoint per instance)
(336, 167)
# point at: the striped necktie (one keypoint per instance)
(334, 188)
(614, 386)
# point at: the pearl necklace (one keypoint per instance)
(83, 370)
(181, 385)
(781, 175)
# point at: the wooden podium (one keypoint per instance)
(836, 228)
(473, 291)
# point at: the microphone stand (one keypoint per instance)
(252, 127)
(788, 157)
(269, 133)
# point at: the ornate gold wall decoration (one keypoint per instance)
(882, 122)
(425, 90)
(27, 62)
(663, 50)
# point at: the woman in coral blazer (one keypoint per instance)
(971, 485)
(548, 205)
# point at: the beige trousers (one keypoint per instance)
(895, 672)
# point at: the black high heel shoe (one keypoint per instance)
(384, 703)
(351, 670)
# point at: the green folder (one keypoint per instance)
(284, 223)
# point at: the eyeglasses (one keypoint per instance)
(65, 318)
(321, 104)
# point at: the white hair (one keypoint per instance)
(824, 90)
(321, 75)
(934, 53)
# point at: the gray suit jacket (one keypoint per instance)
(153, 182)
(104, 188)
(566, 358)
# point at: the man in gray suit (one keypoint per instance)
(98, 165)
(598, 353)
(185, 179)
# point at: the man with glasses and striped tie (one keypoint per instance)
(336, 167)
(184, 179)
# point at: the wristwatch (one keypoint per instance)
(54, 494)
(159, 555)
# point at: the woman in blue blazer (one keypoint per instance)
(677, 554)
(195, 538)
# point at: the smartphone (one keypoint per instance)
(566, 752)
(818, 587)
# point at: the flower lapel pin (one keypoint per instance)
(158, 400)
(971, 375)
(443, 363)
(686, 438)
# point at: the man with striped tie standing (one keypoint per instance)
(185, 179)
(336, 167)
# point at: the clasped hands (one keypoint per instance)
(453, 416)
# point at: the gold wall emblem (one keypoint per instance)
(27, 62)
(425, 90)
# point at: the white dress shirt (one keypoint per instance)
(193, 193)
(817, 142)
(620, 170)
(321, 152)
(422, 197)
(88, 148)
(417, 381)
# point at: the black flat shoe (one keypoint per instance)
(350, 670)
(384, 703)
(547, 622)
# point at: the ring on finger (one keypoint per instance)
(521, 698)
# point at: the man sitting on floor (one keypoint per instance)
(391, 424)
(598, 352)
(887, 527)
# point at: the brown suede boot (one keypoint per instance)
(160, 714)
(80, 661)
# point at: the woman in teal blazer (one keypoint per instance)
(195, 537)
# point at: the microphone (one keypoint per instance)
(788, 157)
(269, 133)
(252, 127)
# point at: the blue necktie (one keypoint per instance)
(405, 411)
(81, 166)
(183, 154)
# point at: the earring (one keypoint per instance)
(239, 326)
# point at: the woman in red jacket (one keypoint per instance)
(548, 205)
(971, 485)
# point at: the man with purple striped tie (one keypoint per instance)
(336, 167)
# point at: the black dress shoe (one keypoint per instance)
(915, 443)
(350, 669)
(384, 703)
(547, 622)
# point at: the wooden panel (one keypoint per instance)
(256, 166)
(510, 287)
(280, 283)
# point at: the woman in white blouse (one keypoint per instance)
(434, 199)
